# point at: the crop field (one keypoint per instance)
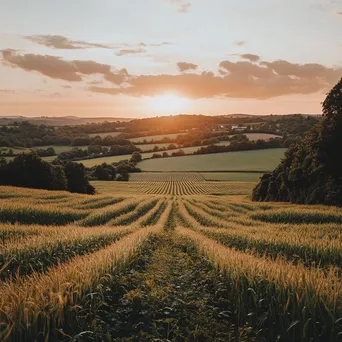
(155, 137)
(259, 160)
(167, 257)
(261, 136)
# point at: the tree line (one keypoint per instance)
(311, 171)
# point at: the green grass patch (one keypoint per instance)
(260, 160)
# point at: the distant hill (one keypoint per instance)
(59, 121)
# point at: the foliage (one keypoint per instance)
(77, 178)
(311, 171)
(29, 170)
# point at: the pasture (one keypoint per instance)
(152, 138)
(259, 160)
(167, 256)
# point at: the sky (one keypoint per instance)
(134, 58)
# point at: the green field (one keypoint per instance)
(58, 148)
(262, 136)
(155, 137)
(260, 160)
(147, 147)
(114, 159)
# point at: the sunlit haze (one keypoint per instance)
(138, 58)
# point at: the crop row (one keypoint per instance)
(38, 254)
(284, 299)
(41, 304)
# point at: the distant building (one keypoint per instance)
(239, 128)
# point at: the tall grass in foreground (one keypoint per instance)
(38, 307)
(295, 215)
(287, 302)
(103, 216)
(38, 214)
(60, 244)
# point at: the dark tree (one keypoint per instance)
(77, 178)
(136, 158)
(311, 171)
(29, 170)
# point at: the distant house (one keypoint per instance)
(239, 128)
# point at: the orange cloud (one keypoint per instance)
(57, 68)
(183, 66)
(250, 57)
(242, 79)
(60, 42)
(125, 52)
(240, 43)
(237, 80)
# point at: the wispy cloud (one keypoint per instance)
(240, 43)
(182, 6)
(60, 42)
(125, 52)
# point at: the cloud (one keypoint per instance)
(242, 79)
(7, 91)
(57, 68)
(240, 43)
(183, 6)
(183, 66)
(250, 57)
(236, 80)
(60, 42)
(125, 52)
(155, 44)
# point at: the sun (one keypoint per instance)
(168, 104)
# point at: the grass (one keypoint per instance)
(155, 137)
(260, 160)
(147, 155)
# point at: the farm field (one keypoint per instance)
(259, 160)
(175, 262)
(146, 155)
(155, 137)
(232, 176)
(262, 136)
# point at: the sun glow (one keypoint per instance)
(168, 104)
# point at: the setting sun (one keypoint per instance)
(168, 104)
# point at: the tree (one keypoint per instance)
(29, 170)
(136, 158)
(311, 171)
(77, 178)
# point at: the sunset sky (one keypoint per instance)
(140, 58)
